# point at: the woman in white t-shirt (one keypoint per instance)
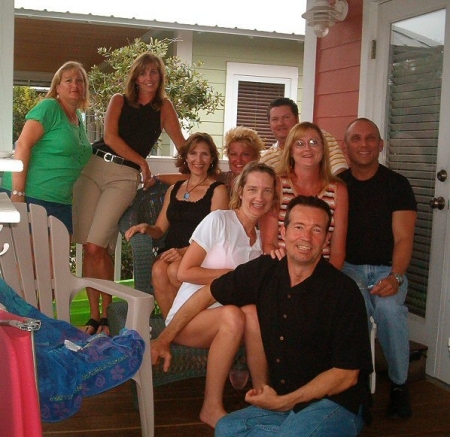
(223, 240)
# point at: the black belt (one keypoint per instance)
(109, 157)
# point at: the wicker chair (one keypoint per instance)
(144, 209)
(186, 362)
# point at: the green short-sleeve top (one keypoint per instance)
(57, 158)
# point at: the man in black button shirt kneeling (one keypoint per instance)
(312, 324)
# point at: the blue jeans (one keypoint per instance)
(390, 315)
(58, 210)
(321, 419)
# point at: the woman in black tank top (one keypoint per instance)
(185, 205)
(108, 184)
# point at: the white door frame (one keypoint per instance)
(434, 330)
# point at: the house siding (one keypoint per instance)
(338, 73)
(215, 50)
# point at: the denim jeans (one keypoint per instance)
(321, 419)
(390, 315)
(58, 210)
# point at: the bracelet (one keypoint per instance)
(18, 193)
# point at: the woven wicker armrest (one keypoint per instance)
(187, 362)
(145, 209)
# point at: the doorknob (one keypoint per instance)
(442, 175)
(438, 203)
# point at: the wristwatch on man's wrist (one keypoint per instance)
(398, 277)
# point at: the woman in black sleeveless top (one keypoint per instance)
(108, 184)
(185, 205)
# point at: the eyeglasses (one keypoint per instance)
(312, 142)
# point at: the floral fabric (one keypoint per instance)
(72, 364)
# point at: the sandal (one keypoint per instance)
(103, 326)
(91, 326)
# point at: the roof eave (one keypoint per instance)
(150, 24)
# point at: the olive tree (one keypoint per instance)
(24, 99)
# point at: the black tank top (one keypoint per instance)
(185, 216)
(139, 127)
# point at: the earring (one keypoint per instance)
(291, 162)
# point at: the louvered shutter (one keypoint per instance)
(413, 124)
(253, 100)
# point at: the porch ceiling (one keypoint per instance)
(41, 46)
(44, 40)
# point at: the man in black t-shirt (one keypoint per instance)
(311, 325)
(381, 221)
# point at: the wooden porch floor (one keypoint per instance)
(177, 406)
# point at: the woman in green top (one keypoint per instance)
(53, 146)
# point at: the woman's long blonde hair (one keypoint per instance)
(287, 164)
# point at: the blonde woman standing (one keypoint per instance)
(53, 146)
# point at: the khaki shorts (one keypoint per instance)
(100, 196)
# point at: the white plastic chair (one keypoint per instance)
(373, 335)
(38, 269)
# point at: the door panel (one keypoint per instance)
(412, 62)
(412, 128)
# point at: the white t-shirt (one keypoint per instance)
(227, 245)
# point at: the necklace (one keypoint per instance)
(187, 194)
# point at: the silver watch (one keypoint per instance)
(398, 277)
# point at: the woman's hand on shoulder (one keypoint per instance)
(147, 179)
(278, 253)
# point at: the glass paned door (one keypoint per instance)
(411, 74)
(412, 128)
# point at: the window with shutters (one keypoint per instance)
(250, 89)
(253, 99)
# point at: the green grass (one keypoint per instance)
(79, 309)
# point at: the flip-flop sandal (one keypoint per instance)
(104, 323)
(91, 323)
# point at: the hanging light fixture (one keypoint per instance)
(322, 16)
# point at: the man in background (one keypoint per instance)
(282, 114)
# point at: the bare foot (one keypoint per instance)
(210, 415)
